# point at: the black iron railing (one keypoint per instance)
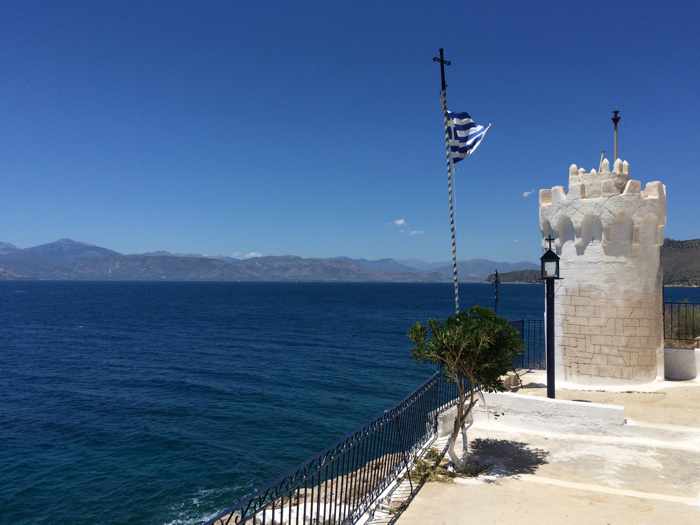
(339, 485)
(681, 323)
(533, 356)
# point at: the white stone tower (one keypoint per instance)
(608, 306)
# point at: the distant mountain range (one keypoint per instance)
(681, 262)
(518, 276)
(67, 259)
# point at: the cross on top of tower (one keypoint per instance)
(550, 240)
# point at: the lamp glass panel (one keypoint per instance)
(550, 269)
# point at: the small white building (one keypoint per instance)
(608, 305)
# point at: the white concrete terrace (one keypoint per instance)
(641, 468)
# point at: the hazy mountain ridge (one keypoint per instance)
(6, 247)
(66, 259)
(480, 269)
(475, 270)
(681, 262)
(517, 276)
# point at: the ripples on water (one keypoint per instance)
(162, 402)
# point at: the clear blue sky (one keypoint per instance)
(308, 127)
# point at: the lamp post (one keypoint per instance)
(549, 273)
(496, 291)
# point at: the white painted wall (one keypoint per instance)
(608, 231)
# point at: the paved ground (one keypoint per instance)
(643, 472)
(515, 501)
(675, 404)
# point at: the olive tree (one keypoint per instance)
(474, 349)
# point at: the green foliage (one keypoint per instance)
(476, 345)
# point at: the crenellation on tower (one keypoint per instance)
(608, 232)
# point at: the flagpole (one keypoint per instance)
(615, 120)
(450, 175)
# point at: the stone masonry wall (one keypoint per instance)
(603, 339)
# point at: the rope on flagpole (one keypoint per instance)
(450, 171)
(450, 195)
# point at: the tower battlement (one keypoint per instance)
(606, 206)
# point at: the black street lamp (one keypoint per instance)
(496, 291)
(550, 272)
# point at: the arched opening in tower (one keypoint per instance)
(591, 232)
(566, 234)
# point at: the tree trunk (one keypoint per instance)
(467, 423)
(459, 461)
(463, 421)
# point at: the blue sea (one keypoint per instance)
(160, 403)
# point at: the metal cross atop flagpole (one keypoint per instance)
(450, 172)
(616, 121)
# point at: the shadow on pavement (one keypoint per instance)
(503, 457)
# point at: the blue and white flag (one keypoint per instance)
(464, 135)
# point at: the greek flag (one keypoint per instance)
(464, 135)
